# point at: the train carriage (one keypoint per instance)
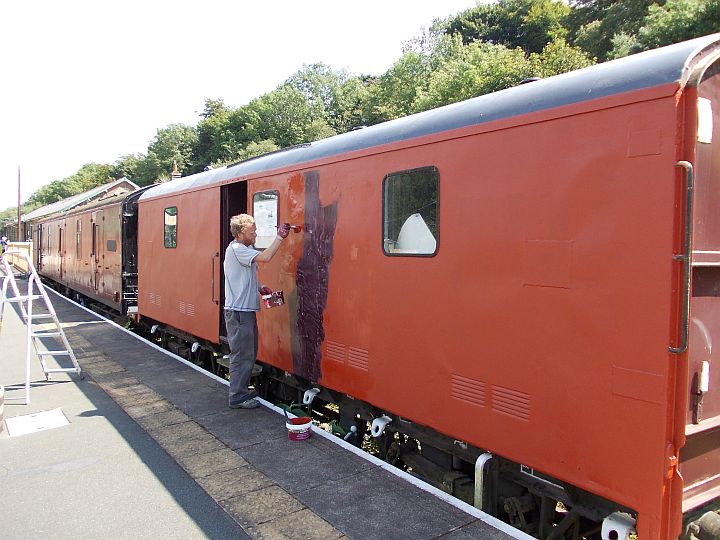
(88, 244)
(521, 290)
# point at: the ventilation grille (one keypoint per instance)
(358, 358)
(467, 390)
(511, 402)
(335, 351)
(154, 298)
(186, 308)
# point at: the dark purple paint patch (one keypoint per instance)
(312, 279)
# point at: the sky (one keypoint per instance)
(89, 81)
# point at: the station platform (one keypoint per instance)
(151, 450)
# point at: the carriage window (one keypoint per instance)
(111, 245)
(78, 243)
(410, 212)
(265, 212)
(171, 227)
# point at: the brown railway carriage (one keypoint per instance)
(524, 273)
(92, 250)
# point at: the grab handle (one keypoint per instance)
(686, 258)
(212, 278)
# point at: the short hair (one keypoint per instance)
(239, 223)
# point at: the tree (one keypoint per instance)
(558, 57)
(678, 20)
(173, 143)
(482, 68)
(87, 177)
(282, 116)
(528, 24)
(332, 96)
(393, 93)
(126, 166)
(594, 23)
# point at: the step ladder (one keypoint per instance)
(25, 301)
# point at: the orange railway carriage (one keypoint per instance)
(533, 273)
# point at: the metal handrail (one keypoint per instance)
(686, 258)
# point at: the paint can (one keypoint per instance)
(299, 429)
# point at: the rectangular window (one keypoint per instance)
(171, 227)
(410, 212)
(265, 212)
(78, 240)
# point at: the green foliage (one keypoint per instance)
(392, 95)
(558, 57)
(678, 20)
(173, 143)
(594, 23)
(527, 24)
(480, 69)
(88, 176)
(257, 149)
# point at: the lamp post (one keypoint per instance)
(19, 238)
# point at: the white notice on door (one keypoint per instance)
(705, 121)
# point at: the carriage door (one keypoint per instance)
(39, 246)
(701, 455)
(94, 257)
(61, 250)
(233, 199)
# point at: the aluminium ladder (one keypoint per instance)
(26, 306)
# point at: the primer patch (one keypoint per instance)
(30, 423)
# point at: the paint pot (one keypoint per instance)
(273, 300)
(299, 429)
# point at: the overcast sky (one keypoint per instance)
(89, 81)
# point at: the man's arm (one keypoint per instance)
(269, 253)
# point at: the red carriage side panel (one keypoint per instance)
(540, 329)
(179, 261)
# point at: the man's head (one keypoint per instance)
(243, 229)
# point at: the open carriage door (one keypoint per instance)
(233, 200)
(700, 458)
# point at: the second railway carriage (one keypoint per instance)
(531, 276)
(90, 248)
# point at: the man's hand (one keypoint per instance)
(283, 230)
(264, 291)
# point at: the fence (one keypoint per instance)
(16, 259)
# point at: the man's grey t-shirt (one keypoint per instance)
(241, 284)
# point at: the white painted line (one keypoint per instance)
(457, 503)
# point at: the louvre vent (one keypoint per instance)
(511, 402)
(358, 358)
(467, 390)
(335, 351)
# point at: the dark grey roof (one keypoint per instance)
(77, 200)
(644, 70)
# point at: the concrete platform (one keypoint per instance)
(152, 450)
